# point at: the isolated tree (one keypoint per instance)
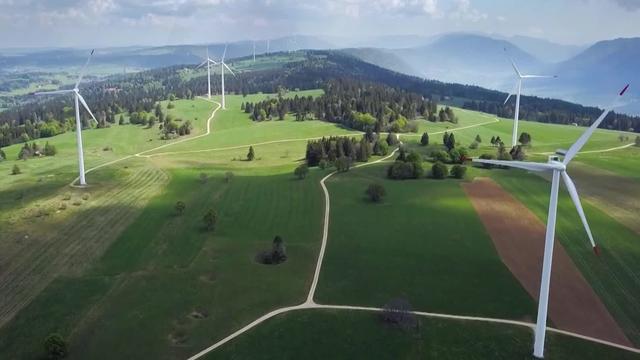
(478, 138)
(251, 155)
(458, 171)
(278, 250)
(637, 144)
(180, 207)
(525, 138)
(493, 140)
(439, 171)
(3, 156)
(301, 171)
(402, 154)
(517, 153)
(121, 120)
(55, 347)
(210, 218)
(15, 170)
(376, 192)
(424, 140)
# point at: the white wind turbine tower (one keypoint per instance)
(223, 65)
(516, 91)
(208, 61)
(559, 170)
(78, 99)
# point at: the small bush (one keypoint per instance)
(439, 171)
(301, 171)
(458, 171)
(375, 192)
(440, 156)
(180, 207)
(474, 145)
(228, 176)
(16, 170)
(55, 347)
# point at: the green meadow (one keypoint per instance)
(119, 273)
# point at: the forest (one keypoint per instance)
(355, 104)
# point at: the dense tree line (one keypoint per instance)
(356, 104)
(336, 150)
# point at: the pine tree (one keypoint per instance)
(424, 140)
(251, 155)
(478, 139)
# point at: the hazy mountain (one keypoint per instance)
(467, 59)
(382, 57)
(545, 50)
(594, 75)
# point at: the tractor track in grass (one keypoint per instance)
(310, 303)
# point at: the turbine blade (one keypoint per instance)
(531, 166)
(575, 148)
(84, 103)
(224, 54)
(84, 68)
(228, 68)
(201, 64)
(53, 92)
(515, 68)
(539, 76)
(513, 92)
(571, 188)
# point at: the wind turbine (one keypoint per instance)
(518, 88)
(559, 170)
(78, 99)
(223, 65)
(208, 61)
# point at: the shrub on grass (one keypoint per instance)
(458, 171)
(439, 171)
(301, 171)
(210, 219)
(228, 176)
(474, 145)
(392, 139)
(180, 207)
(637, 141)
(375, 192)
(3, 156)
(440, 156)
(397, 312)
(15, 170)
(277, 254)
(55, 347)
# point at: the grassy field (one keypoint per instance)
(373, 247)
(120, 274)
(329, 334)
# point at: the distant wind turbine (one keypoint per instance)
(78, 99)
(559, 170)
(516, 91)
(223, 65)
(208, 61)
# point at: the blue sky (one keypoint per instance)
(82, 23)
